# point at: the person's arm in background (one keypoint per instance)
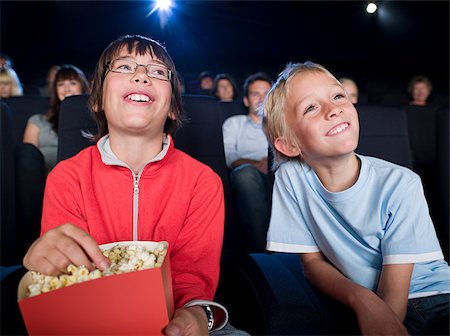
(31, 134)
(374, 315)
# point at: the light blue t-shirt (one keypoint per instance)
(243, 139)
(382, 219)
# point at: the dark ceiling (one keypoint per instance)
(404, 38)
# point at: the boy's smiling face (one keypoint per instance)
(321, 116)
(136, 103)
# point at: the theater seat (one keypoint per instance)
(30, 175)
(428, 131)
(7, 190)
(201, 138)
(384, 134)
(268, 294)
(74, 119)
(229, 109)
(22, 108)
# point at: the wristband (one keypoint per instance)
(209, 315)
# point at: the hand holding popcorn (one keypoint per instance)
(123, 259)
(61, 246)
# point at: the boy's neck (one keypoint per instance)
(338, 174)
(136, 151)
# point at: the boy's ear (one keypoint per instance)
(286, 147)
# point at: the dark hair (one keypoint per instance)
(228, 78)
(140, 45)
(205, 74)
(8, 60)
(259, 76)
(65, 72)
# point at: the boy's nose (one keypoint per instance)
(334, 112)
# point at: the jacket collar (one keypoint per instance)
(109, 158)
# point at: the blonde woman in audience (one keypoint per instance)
(9, 83)
(419, 89)
(42, 129)
(351, 88)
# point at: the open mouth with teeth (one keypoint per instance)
(338, 129)
(138, 97)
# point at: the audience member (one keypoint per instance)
(10, 85)
(137, 103)
(5, 62)
(360, 224)
(47, 89)
(419, 89)
(42, 129)
(206, 81)
(246, 150)
(224, 88)
(351, 88)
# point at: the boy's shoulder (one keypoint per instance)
(387, 171)
(384, 165)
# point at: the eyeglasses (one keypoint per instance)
(127, 66)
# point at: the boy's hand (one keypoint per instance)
(61, 246)
(190, 321)
(375, 317)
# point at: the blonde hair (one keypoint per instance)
(9, 76)
(274, 106)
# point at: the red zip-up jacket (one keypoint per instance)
(174, 198)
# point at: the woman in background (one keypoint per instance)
(42, 129)
(9, 83)
(224, 88)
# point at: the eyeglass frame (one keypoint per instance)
(108, 66)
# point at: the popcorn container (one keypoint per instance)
(133, 303)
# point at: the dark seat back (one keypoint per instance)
(30, 175)
(74, 119)
(22, 108)
(443, 154)
(229, 109)
(384, 134)
(429, 138)
(201, 138)
(7, 191)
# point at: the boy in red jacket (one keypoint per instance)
(134, 185)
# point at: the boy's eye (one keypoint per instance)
(339, 96)
(310, 108)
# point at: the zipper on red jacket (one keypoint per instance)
(135, 205)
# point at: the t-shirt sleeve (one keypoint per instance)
(288, 230)
(36, 119)
(410, 236)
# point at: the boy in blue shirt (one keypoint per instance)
(361, 225)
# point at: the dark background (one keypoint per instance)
(402, 39)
